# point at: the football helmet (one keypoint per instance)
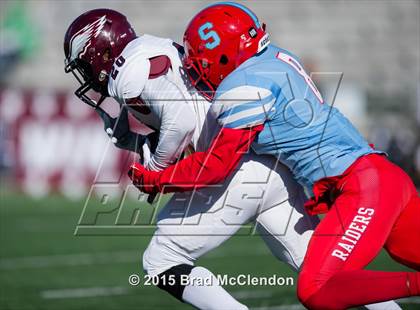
(91, 44)
(217, 40)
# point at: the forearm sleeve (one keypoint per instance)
(205, 168)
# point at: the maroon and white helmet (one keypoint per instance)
(91, 44)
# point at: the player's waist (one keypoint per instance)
(325, 190)
(309, 169)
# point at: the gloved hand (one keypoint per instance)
(119, 131)
(145, 180)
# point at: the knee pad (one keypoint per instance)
(170, 280)
(158, 257)
(147, 264)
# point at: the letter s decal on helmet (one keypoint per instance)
(217, 40)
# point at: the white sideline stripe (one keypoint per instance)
(120, 290)
(84, 292)
(69, 260)
(252, 294)
(81, 259)
(281, 307)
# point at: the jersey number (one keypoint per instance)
(206, 35)
(295, 64)
(119, 62)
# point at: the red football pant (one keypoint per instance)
(377, 206)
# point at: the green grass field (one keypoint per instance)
(44, 266)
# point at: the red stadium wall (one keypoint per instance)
(52, 142)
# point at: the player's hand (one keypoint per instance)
(119, 131)
(145, 180)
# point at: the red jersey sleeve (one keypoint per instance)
(205, 168)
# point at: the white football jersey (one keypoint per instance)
(175, 109)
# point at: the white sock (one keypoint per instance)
(209, 296)
(386, 305)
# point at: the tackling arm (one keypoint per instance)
(199, 169)
(241, 111)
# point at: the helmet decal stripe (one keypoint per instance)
(81, 39)
(243, 8)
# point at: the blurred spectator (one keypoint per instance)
(401, 143)
(18, 37)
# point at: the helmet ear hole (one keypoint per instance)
(107, 55)
(224, 59)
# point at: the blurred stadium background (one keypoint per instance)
(51, 145)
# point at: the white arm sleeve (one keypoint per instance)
(177, 121)
(242, 107)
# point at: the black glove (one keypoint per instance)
(119, 131)
(153, 139)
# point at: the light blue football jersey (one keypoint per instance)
(305, 133)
